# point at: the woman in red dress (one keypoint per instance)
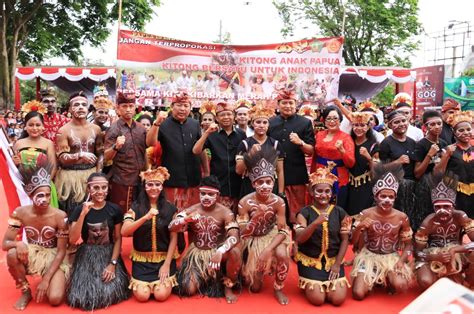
(335, 148)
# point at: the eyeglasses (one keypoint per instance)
(332, 119)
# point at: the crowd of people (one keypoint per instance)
(252, 189)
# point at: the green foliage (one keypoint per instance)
(385, 97)
(35, 30)
(376, 32)
(468, 72)
(62, 28)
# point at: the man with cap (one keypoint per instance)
(402, 102)
(223, 141)
(53, 121)
(296, 136)
(80, 153)
(125, 145)
(177, 135)
(450, 107)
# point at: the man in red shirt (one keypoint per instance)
(52, 121)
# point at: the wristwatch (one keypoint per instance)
(113, 262)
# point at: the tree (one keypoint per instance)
(376, 32)
(33, 30)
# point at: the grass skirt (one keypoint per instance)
(40, 258)
(254, 247)
(195, 268)
(71, 186)
(86, 290)
(376, 267)
(442, 269)
(324, 286)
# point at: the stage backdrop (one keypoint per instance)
(155, 68)
(460, 89)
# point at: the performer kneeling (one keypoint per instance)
(322, 233)
(213, 235)
(99, 278)
(154, 246)
(262, 222)
(379, 233)
(438, 240)
(43, 248)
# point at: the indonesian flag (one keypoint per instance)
(11, 188)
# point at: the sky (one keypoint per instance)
(257, 22)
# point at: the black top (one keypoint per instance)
(223, 149)
(447, 134)
(391, 149)
(250, 141)
(177, 141)
(99, 224)
(422, 148)
(142, 237)
(362, 165)
(312, 247)
(295, 169)
(461, 164)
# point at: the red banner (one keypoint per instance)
(155, 68)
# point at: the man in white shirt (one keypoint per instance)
(403, 104)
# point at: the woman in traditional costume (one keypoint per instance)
(334, 147)
(366, 152)
(154, 246)
(99, 278)
(459, 159)
(322, 233)
(32, 149)
(260, 117)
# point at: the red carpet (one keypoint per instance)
(264, 302)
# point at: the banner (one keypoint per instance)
(429, 88)
(155, 68)
(462, 90)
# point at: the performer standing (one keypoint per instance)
(242, 107)
(53, 121)
(213, 236)
(264, 233)
(379, 233)
(44, 247)
(80, 153)
(322, 232)
(459, 159)
(295, 133)
(440, 236)
(450, 107)
(101, 109)
(366, 153)
(99, 278)
(154, 246)
(260, 117)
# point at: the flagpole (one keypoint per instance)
(119, 24)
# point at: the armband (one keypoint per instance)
(129, 215)
(62, 234)
(231, 225)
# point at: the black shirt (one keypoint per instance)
(142, 237)
(295, 169)
(223, 149)
(362, 164)
(422, 148)
(99, 224)
(177, 141)
(447, 134)
(391, 149)
(313, 246)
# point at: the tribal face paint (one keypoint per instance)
(385, 199)
(98, 189)
(264, 186)
(208, 196)
(443, 210)
(153, 188)
(42, 197)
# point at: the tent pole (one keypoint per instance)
(38, 87)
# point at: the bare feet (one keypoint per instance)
(23, 301)
(230, 297)
(281, 297)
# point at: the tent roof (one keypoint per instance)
(70, 73)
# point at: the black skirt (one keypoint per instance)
(86, 289)
(149, 272)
